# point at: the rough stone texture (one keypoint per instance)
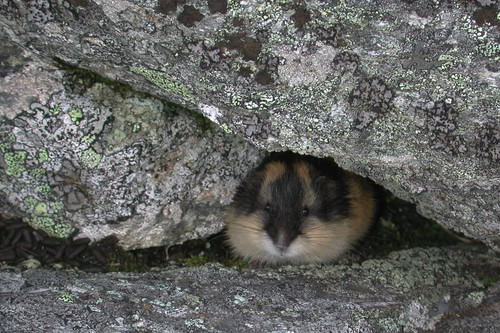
(409, 291)
(110, 162)
(405, 92)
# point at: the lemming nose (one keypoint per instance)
(281, 244)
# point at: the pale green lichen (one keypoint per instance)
(5, 190)
(448, 61)
(197, 322)
(258, 101)
(43, 222)
(88, 139)
(44, 189)
(6, 144)
(37, 173)
(476, 297)
(56, 109)
(389, 324)
(41, 209)
(29, 203)
(90, 158)
(156, 302)
(349, 14)
(438, 84)
(233, 4)
(226, 128)
(76, 116)
(165, 82)
(239, 299)
(31, 264)
(11, 137)
(57, 207)
(94, 308)
(67, 298)
(43, 155)
(5, 147)
(15, 163)
(41, 216)
(60, 230)
(490, 49)
(135, 118)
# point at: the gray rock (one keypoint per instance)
(406, 93)
(409, 291)
(109, 162)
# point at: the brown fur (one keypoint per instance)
(272, 172)
(363, 204)
(303, 173)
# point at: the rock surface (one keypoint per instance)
(409, 291)
(109, 161)
(404, 92)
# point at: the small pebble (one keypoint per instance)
(31, 264)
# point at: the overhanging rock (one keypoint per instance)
(406, 93)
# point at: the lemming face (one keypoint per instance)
(290, 212)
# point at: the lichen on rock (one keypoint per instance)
(166, 178)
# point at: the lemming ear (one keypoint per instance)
(327, 187)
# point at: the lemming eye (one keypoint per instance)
(267, 207)
(305, 211)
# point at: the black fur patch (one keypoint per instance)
(285, 209)
(246, 198)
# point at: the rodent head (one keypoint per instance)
(291, 210)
